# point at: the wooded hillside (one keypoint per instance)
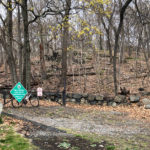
(78, 46)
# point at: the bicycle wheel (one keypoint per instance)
(15, 103)
(34, 101)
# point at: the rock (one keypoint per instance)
(60, 100)
(52, 94)
(109, 104)
(100, 103)
(145, 93)
(114, 104)
(77, 96)
(134, 98)
(91, 97)
(146, 101)
(147, 106)
(78, 100)
(108, 99)
(93, 102)
(140, 104)
(1, 108)
(83, 101)
(67, 100)
(85, 95)
(99, 98)
(69, 95)
(120, 99)
(101, 146)
(105, 104)
(72, 100)
(52, 98)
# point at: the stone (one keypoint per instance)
(67, 100)
(146, 101)
(73, 100)
(108, 99)
(145, 93)
(100, 103)
(126, 104)
(114, 104)
(105, 104)
(93, 102)
(83, 101)
(120, 99)
(59, 100)
(52, 98)
(85, 95)
(147, 106)
(109, 103)
(99, 98)
(139, 104)
(77, 96)
(78, 100)
(69, 95)
(134, 98)
(1, 108)
(91, 97)
(52, 94)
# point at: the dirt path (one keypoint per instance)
(112, 126)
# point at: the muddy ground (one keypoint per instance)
(57, 127)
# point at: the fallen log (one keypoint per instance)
(75, 74)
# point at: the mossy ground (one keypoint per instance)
(10, 140)
(136, 142)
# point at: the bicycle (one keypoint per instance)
(34, 101)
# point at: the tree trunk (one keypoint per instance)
(9, 48)
(27, 51)
(101, 42)
(64, 48)
(122, 11)
(122, 47)
(20, 47)
(42, 61)
(109, 46)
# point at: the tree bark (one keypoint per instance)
(9, 48)
(27, 51)
(122, 12)
(64, 47)
(20, 47)
(42, 61)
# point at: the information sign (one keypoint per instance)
(18, 92)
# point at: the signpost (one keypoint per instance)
(18, 92)
(39, 92)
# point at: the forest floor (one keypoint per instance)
(95, 76)
(79, 127)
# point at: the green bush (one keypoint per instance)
(110, 147)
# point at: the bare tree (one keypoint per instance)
(122, 12)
